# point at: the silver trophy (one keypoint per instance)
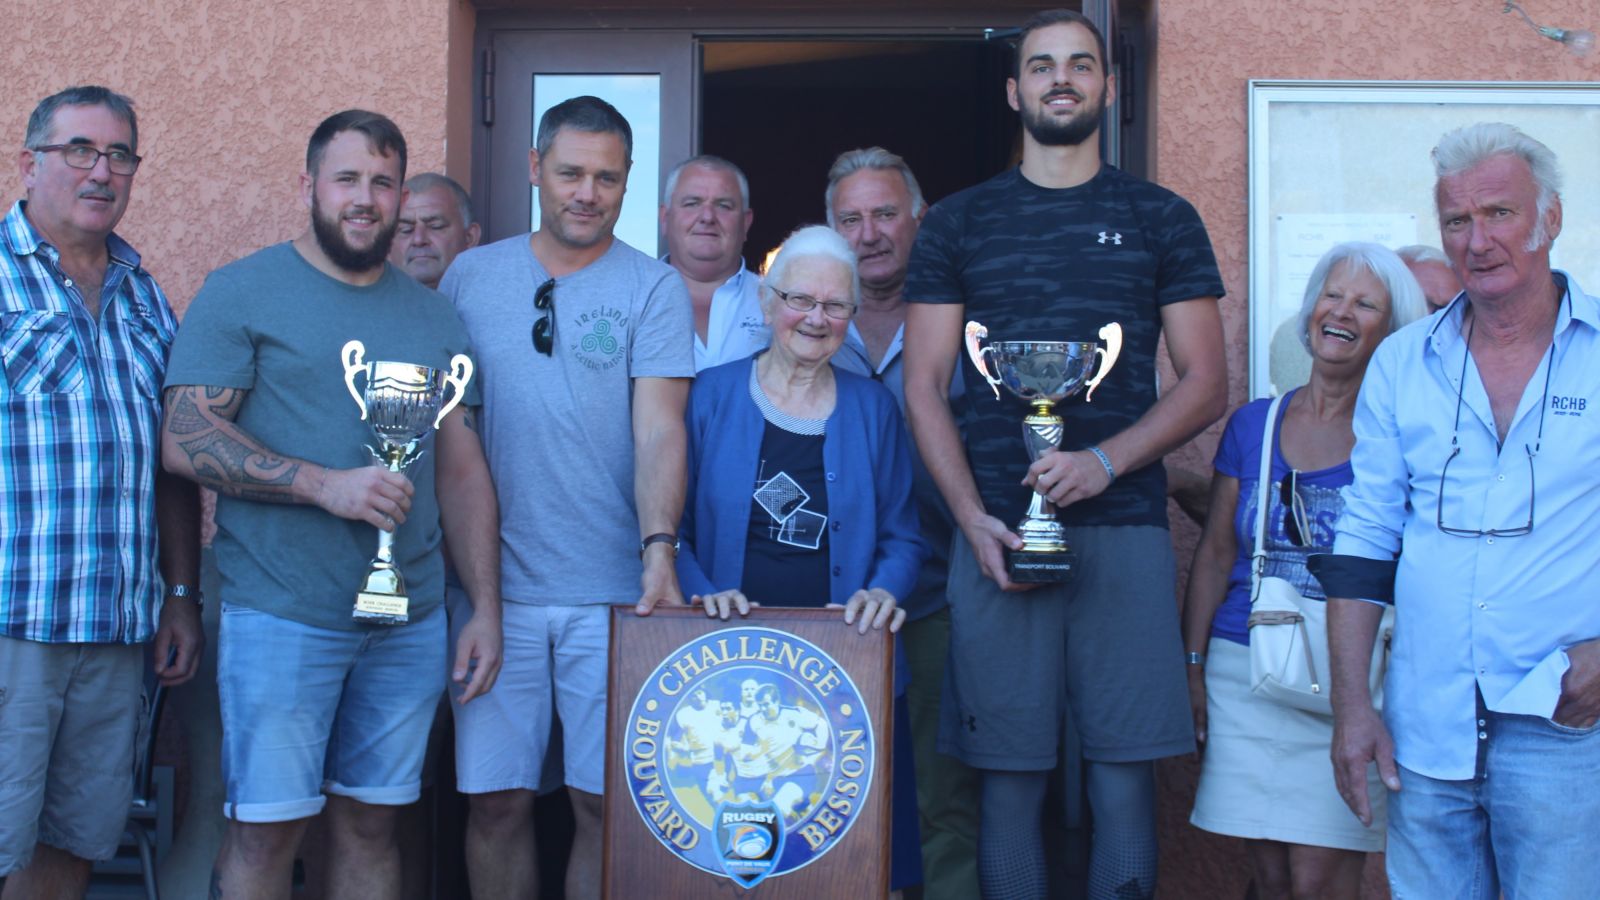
(1042, 373)
(402, 402)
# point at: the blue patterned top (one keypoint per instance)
(1239, 455)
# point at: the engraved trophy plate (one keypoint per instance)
(1042, 373)
(402, 402)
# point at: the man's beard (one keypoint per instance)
(1052, 132)
(351, 259)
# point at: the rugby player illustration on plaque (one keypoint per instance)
(749, 752)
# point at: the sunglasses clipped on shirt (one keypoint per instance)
(544, 327)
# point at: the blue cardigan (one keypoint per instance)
(875, 540)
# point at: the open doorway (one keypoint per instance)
(782, 110)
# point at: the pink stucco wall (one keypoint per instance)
(227, 94)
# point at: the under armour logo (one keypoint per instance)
(1113, 238)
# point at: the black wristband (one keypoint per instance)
(659, 537)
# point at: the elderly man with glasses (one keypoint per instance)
(587, 348)
(91, 528)
(1465, 419)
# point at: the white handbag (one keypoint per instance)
(1289, 661)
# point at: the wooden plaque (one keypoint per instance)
(747, 758)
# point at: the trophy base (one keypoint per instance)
(1040, 566)
(380, 609)
(382, 599)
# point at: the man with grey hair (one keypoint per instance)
(436, 224)
(1492, 703)
(1432, 270)
(99, 547)
(705, 216)
(873, 201)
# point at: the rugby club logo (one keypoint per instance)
(749, 753)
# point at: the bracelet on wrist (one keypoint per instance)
(1111, 472)
(1194, 659)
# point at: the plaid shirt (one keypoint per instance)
(80, 412)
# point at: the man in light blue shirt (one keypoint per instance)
(705, 216)
(1476, 495)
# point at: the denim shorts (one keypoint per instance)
(308, 711)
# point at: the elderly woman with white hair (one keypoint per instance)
(800, 481)
(1266, 774)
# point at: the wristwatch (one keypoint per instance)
(1194, 659)
(659, 537)
(185, 592)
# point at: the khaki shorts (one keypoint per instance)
(68, 717)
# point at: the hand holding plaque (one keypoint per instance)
(1042, 373)
(402, 402)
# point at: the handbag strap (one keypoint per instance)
(1258, 559)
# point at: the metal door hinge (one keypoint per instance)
(488, 87)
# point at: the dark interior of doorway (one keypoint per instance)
(782, 110)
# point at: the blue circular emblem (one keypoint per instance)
(749, 753)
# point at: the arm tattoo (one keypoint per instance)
(220, 455)
(183, 416)
(228, 464)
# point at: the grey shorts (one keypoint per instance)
(556, 660)
(1104, 649)
(68, 717)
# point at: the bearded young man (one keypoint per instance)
(319, 710)
(1053, 250)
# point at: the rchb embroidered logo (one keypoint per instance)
(749, 753)
(601, 335)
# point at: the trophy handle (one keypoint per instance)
(351, 355)
(1111, 333)
(975, 333)
(460, 374)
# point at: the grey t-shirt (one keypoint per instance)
(558, 429)
(273, 325)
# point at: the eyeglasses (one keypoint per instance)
(833, 309)
(86, 156)
(1517, 531)
(1296, 524)
(1455, 451)
(544, 328)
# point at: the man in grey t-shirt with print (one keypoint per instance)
(585, 349)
